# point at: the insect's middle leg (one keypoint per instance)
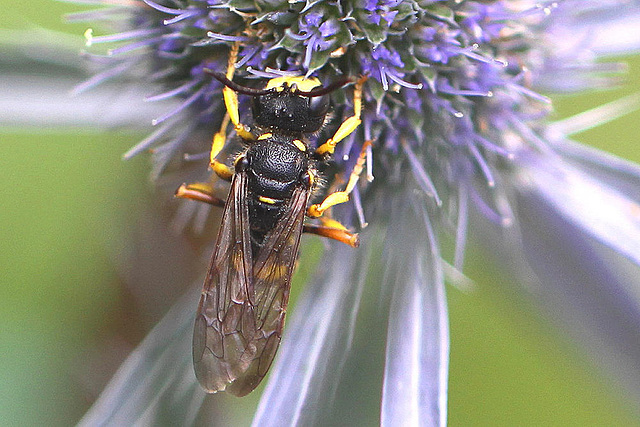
(337, 197)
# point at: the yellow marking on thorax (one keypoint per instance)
(265, 136)
(301, 83)
(268, 200)
(300, 145)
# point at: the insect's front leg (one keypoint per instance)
(349, 125)
(231, 104)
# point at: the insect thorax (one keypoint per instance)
(275, 167)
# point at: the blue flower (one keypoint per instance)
(380, 13)
(462, 137)
(316, 35)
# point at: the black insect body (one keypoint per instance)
(287, 112)
(274, 169)
(244, 298)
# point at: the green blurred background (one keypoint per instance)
(69, 202)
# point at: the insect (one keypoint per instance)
(243, 303)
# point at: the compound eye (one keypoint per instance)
(319, 106)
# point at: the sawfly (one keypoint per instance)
(244, 298)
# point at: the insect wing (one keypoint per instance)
(241, 312)
(272, 271)
(225, 312)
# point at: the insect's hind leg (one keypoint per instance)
(201, 192)
(340, 234)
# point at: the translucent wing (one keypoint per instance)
(242, 306)
(272, 271)
(218, 343)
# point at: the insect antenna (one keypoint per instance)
(323, 90)
(319, 91)
(235, 86)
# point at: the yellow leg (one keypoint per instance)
(201, 192)
(339, 234)
(231, 98)
(222, 170)
(338, 197)
(348, 126)
(218, 142)
(231, 104)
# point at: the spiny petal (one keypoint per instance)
(156, 378)
(617, 173)
(578, 256)
(316, 342)
(607, 214)
(417, 355)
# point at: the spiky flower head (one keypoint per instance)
(457, 128)
(448, 81)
